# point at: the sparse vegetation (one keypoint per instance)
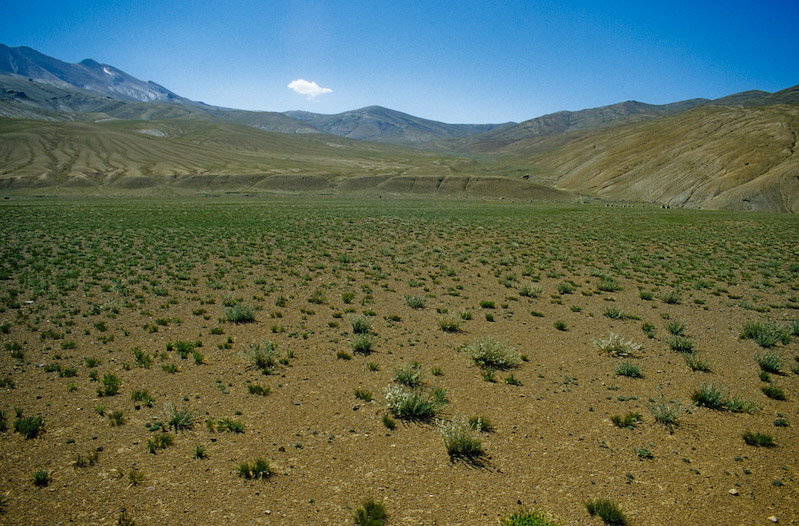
(490, 353)
(371, 513)
(615, 345)
(461, 438)
(258, 470)
(606, 510)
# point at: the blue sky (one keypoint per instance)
(459, 61)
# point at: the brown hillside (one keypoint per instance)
(709, 157)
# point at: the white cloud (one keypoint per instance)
(308, 88)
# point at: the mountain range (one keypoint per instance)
(92, 128)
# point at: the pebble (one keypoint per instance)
(733, 491)
(773, 519)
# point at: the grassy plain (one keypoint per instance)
(285, 361)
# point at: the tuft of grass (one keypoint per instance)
(41, 478)
(614, 345)
(666, 412)
(461, 438)
(449, 322)
(490, 353)
(710, 396)
(523, 517)
(766, 334)
(389, 422)
(609, 284)
(160, 441)
(696, 363)
(681, 344)
(200, 452)
(362, 343)
(628, 369)
(229, 425)
(759, 439)
(258, 389)
(179, 418)
(415, 302)
(143, 396)
(606, 510)
(410, 374)
(258, 470)
(560, 325)
(240, 314)
(360, 324)
(676, 327)
(511, 380)
(413, 405)
(262, 355)
(630, 420)
(481, 424)
(773, 392)
(648, 329)
(644, 454)
(117, 418)
(363, 394)
(29, 426)
(110, 385)
(769, 362)
(371, 513)
(528, 290)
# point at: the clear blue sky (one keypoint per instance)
(453, 61)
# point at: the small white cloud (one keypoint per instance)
(308, 88)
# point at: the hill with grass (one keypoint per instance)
(91, 128)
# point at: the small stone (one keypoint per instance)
(773, 519)
(733, 491)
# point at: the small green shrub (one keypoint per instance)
(628, 369)
(79, 461)
(672, 297)
(614, 345)
(362, 343)
(461, 438)
(410, 374)
(666, 412)
(258, 390)
(524, 517)
(769, 362)
(710, 396)
(360, 324)
(29, 426)
(528, 290)
(606, 510)
(143, 396)
(773, 392)
(609, 284)
(511, 380)
(648, 329)
(200, 452)
(259, 469)
(412, 405)
(389, 422)
(110, 385)
(449, 322)
(240, 314)
(630, 420)
(262, 355)
(41, 478)
(766, 334)
(681, 344)
(117, 418)
(759, 439)
(372, 513)
(363, 394)
(415, 302)
(676, 327)
(644, 454)
(560, 325)
(490, 353)
(229, 425)
(179, 418)
(159, 441)
(696, 363)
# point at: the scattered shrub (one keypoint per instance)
(710, 396)
(263, 355)
(240, 314)
(159, 441)
(229, 425)
(523, 517)
(696, 363)
(759, 439)
(110, 385)
(666, 412)
(41, 478)
(630, 420)
(681, 344)
(676, 327)
(259, 469)
(773, 392)
(415, 302)
(449, 323)
(461, 438)
(614, 345)
(372, 513)
(490, 353)
(363, 394)
(766, 334)
(360, 324)
(769, 362)
(628, 369)
(560, 325)
(410, 374)
(606, 510)
(412, 405)
(29, 426)
(362, 343)
(258, 390)
(179, 418)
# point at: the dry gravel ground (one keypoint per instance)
(97, 279)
